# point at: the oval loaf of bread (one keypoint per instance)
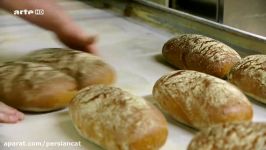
(200, 100)
(200, 53)
(35, 87)
(250, 76)
(87, 69)
(117, 120)
(237, 136)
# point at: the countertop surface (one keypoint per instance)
(131, 47)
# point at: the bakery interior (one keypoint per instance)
(131, 35)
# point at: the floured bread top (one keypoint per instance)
(72, 62)
(31, 74)
(241, 136)
(253, 66)
(113, 115)
(210, 49)
(192, 85)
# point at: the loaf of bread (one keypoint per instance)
(237, 136)
(200, 53)
(117, 120)
(200, 100)
(35, 87)
(250, 76)
(87, 69)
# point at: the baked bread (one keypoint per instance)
(200, 53)
(117, 120)
(239, 136)
(200, 100)
(87, 69)
(250, 76)
(35, 87)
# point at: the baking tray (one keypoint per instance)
(131, 35)
(180, 22)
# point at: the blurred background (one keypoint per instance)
(246, 15)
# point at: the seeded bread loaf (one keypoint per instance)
(240, 136)
(87, 69)
(117, 120)
(200, 100)
(250, 76)
(200, 53)
(35, 87)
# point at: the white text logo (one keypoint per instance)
(29, 12)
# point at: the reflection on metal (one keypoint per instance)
(179, 22)
(242, 14)
(246, 15)
(220, 11)
(161, 2)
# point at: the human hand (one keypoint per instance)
(75, 38)
(9, 114)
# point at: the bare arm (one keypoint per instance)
(55, 20)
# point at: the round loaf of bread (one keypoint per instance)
(200, 53)
(200, 100)
(35, 87)
(237, 136)
(117, 120)
(87, 69)
(250, 76)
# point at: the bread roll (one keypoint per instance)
(250, 76)
(117, 120)
(200, 100)
(240, 136)
(87, 69)
(200, 53)
(35, 87)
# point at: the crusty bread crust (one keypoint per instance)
(35, 87)
(238, 136)
(87, 69)
(200, 53)
(117, 120)
(200, 100)
(250, 76)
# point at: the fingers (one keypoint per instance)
(9, 114)
(7, 118)
(7, 109)
(20, 115)
(90, 45)
(79, 42)
(91, 49)
(92, 39)
(75, 38)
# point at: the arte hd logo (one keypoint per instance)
(38, 12)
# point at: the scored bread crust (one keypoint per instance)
(250, 76)
(237, 136)
(200, 100)
(200, 53)
(86, 68)
(117, 120)
(35, 87)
